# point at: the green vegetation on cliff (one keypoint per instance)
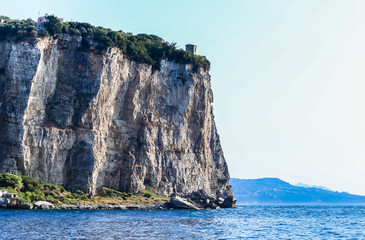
(18, 29)
(31, 190)
(142, 48)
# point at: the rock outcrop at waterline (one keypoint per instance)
(91, 118)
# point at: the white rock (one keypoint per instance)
(181, 203)
(43, 205)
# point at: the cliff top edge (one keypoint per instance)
(141, 48)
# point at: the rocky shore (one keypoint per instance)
(87, 207)
(109, 207)
(174, 203)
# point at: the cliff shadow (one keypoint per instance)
(78, 82)
(79, 166)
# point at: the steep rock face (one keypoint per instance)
(92, 118)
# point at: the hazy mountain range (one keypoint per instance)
(276, 191)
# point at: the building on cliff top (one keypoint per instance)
(41, 20)
(191, 48)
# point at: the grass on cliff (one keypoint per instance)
(31, 190)
(142, 48)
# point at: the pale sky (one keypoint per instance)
(288, 76)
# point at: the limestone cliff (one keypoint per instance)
(91, 118)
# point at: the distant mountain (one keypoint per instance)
(312, 186)
(276, 191)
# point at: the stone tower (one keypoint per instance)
(191, 48)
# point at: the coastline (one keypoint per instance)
(88, 207)
(23, 192)
(174, 203)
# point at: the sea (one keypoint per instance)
(243, 222)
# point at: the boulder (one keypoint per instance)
(229, 202)
(181, 203)
(43, 205)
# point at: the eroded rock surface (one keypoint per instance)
(91, 118)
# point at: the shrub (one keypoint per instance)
(78, 194)
(51, 194)
(108, 192)
(23, 198)
(53, 25)
(35, 196)
(10, 180)
(30, 184)
(147, 195)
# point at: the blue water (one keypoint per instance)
(244, 222)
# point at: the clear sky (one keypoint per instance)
(288, 76)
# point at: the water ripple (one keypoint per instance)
(245, 222)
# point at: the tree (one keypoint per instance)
(53, 25)
(10, 180)
(65, 27)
